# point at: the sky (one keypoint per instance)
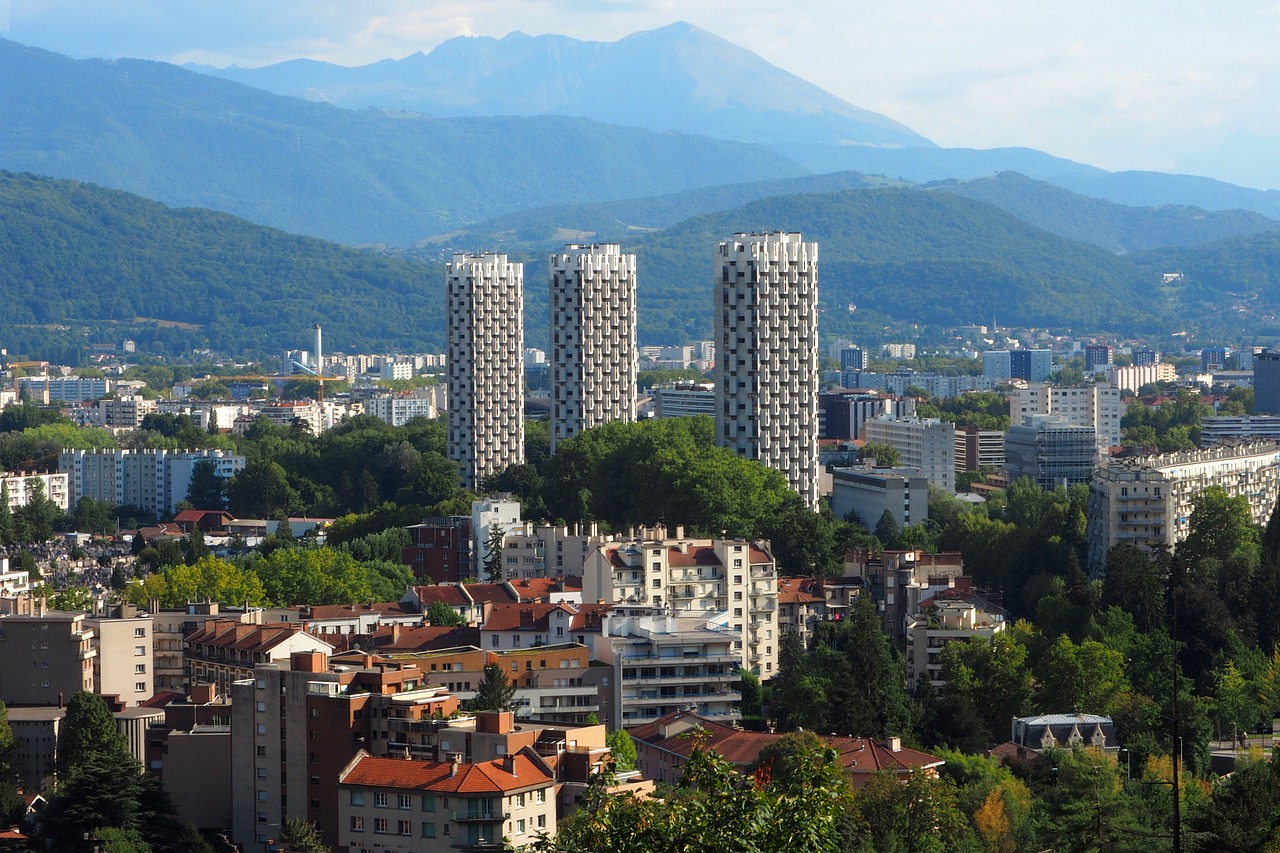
(1168, 86)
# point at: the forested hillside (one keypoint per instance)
(117, 265)
(1116, 227)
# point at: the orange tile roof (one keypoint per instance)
(489, 777)
(800, 591)
(239, 635)
(524, 617)
(450, 594)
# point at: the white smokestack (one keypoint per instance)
(319, 353)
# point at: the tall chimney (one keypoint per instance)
(319, 353)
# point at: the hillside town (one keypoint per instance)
(417, 604)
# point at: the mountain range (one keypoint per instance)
(170, 268)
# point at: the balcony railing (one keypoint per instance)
(481, 816)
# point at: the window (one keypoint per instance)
(262, 750)
(379, 824)
(428, 830)
(428, 803)
(520, 827)
(542, 821)
(262, 772)
(139, 632)
(380, 799)
(405, 827)
(357, 798)
(262, 728)
(357, 823)
(139, 651)
(519, 800)
(405, 801)
(539, 797)
(262, 796)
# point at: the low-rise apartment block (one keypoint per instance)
(703, 577)
(1147, 501)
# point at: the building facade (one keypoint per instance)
(766, 327)
(1098, 407)
(1050, 451)
(731, 580)
(593, 339)
(1266, 383)
(865, 493)
(152, 480)
(925, 444)
(1146, 501)
(486, 364)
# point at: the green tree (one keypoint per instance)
(623, 749)
(207, 490)
(495, 692)
(885, 455)
(193, 545)
(261, 490)
(88, 729)
(494, 571)
(919, 814)
(302, 836)
(442, 615)
(97, 517)
(887, 529)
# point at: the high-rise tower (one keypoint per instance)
(593, 338)
(486, 364)
(766, 326)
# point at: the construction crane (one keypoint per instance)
(15, 366)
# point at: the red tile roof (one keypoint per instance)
(451, 594)
(860, 756)
(800, 591)
(524, 617)
(697, 555)
(490, 777)
(252, 638)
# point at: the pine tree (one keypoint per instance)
(493, 568)
(495, 692)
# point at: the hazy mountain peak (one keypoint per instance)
(673, 78)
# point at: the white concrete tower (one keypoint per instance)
(593, 338)
(486, 364)
(766, 327)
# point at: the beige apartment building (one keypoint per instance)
(733, 581)
(124, 666)
(593, 338)
(766, 337)
(1147, 501)
(388, 804)
(486, 364)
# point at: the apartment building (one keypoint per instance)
(730, 579)
(152, 480)
(1147, 501)
(21, 487)
(441, 549)
(422, 807)
(296, 723)
(46, 657)
(945, 621)
(927, 445)
(486, 364)
(593, 338)
(843, 413)
(766, 333)
(978, 449)
(1098, 407)
(545, 551)
(1050, 451)
(684, 399)
(1134, 376)
(1220, 428)
(665, 663)
(124, 666)
(223, 651)
(125, 412)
